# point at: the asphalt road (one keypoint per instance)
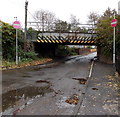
(54, 90)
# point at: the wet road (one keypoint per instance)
(54, 90)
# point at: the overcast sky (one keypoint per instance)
(62, 8)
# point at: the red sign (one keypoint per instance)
(114, 23)
(16, 24)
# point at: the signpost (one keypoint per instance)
(16, 25)
(113, 24)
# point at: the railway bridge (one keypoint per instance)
(70, 38)
(47, 42)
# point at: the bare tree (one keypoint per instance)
(109, 13)
(45, 20)
(61, 26)
(74, 23)
(93, 17)
(50, 21)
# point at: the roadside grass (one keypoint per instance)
(24, 63)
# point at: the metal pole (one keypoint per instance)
(16, 45)
(16, 48)
(114, 44)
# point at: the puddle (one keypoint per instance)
(11, 98)
(94, 89)
(81, 80)
(73, 99)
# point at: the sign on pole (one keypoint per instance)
(16, 25)
(114, 23)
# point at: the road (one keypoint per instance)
(54, 90)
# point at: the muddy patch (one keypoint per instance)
(11, 98)
(81, 80)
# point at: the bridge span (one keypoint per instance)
(70, 38)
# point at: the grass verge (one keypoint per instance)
(12, 65)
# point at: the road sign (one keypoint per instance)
(16, 24)
(114, 23)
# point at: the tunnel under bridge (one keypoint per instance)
(46, 43)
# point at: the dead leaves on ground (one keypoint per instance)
(73, 99)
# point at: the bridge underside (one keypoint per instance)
(67, 40)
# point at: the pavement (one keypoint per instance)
(102, 92)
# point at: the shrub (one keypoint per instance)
(27, 55)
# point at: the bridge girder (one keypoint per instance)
(67, 39)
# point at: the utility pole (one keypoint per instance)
(25, 36)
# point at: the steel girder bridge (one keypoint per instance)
(67, 38)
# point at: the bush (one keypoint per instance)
(31, 55)
(65, 51)
(27, 55)
(71, 51)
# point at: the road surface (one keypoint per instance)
(54, 90)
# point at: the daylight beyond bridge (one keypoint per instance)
(67, 38)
